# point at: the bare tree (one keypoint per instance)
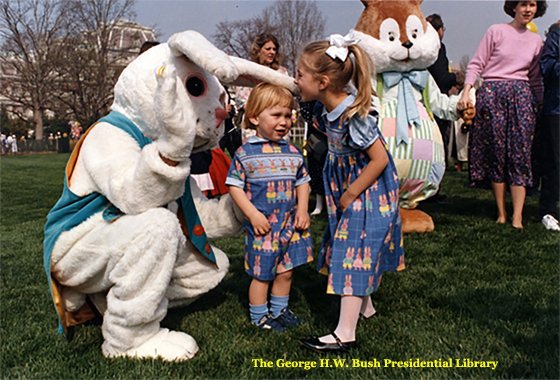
(31, 31)
(464, 63)
(297, 22)
(293, 22)
(93, 59)
(235, 37)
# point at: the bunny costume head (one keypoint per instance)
(200, 69)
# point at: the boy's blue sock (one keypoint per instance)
(277, 304)
(256, 312)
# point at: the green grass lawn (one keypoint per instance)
(472, 290)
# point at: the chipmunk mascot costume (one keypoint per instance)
(128, 237)
(401, 44)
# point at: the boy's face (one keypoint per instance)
(273, 123)
(309, 86)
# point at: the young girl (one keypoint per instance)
(363, 238)
(267, 179)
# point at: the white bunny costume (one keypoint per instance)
(115, 235)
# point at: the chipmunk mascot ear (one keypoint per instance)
(401, 44)
(128, 238)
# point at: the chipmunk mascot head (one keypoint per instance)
(128, 236)
(402, 45)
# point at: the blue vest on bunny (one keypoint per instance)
(71, 209)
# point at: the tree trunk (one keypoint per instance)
(38, 121)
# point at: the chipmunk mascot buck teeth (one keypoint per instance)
(127, 233)
(402, 45)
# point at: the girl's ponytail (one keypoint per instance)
(362, 75)
(349, 66)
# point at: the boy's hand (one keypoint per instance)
(260, 223)
(302, 220)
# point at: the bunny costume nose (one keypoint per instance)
(221, 115)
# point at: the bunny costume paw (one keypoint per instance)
(171, 346)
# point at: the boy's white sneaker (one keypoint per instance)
(550, 223)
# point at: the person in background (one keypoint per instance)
(440, 69)
(550, 69)
(231, 140)
(500, 142)
(315, 158)
(459, 136)
(265, 50)
(147, 45)
(445, 81)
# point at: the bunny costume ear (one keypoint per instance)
(228, 69)
(202, 53)
(252, 73)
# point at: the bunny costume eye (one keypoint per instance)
(195, 85)
(389, 31)
(414, 27)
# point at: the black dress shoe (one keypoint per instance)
(315, 344)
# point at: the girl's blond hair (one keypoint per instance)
(357, 69)
(263, 96)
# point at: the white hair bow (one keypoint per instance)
(339, 45)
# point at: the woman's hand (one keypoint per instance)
(259, 222)
(302, 220)
(465, 99)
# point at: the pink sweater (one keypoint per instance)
(507, 53)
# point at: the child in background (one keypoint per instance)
(268, 181)
(363, 238)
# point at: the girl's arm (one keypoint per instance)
(302, 220)
(256, 218)
(378, 161)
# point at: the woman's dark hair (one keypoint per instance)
(509, 7)
(435, 20)
(147, 45)
(259, 42)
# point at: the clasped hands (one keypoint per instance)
(261, 225)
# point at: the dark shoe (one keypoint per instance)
(339, 347)
(440, 199)
(287, 318)
(269, 323)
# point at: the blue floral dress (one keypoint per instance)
(366, 239)
(269, 173)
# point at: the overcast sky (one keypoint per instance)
(465, 21)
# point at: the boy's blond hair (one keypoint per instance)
(263, 96)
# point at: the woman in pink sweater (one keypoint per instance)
(507, 59)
